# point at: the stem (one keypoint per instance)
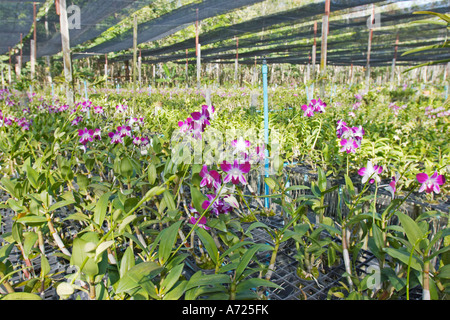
(346, 255)
(273, 259)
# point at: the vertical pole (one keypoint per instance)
(140, 68)
(369, 47)
(33, 44)
(313, 73)
(196, 34)
(134, 60)
(351, 74)
(394, 60)
(65, 40)
(21, 54)
(236, 61)
(186, 69)
(323, 51)
(86, 99)
(32, 59)
(266, 130)
(9, 66)
(199, 54)
(106, 68)
(3, 80)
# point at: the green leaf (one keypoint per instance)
(197, 199)
(134, 277)
(45, 266)
(322, 179)
(298, 187)
(129, 204)
(126, 168)
(443, 16)
(271, 183)
(79, 255)
(403, 256)
(349, 185)
(172, 277)
(151, 171)
(126, 222)
(168, 199)
(254, 283)
(101, 207)
(209, 243)
(444, 272)
(30, 239)
(32, 219)
(127, 261)
(60, 204)
(412, 229)
(102, 247)
(247, 256)
(168, 238)
(199, 279)
(33, 177)
(21, 296)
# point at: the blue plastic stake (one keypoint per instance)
(446, 91)
(266, 130)
(149, 90)
(53, 92)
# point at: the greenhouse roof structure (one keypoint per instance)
(285, 36)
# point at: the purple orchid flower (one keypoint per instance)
(430, 184)
(235, 172)
(195, 217)
(370, 172)
(349, 145)
(218, 206)
(124, 131)
(210, 178)
(86, 135)
(116, 137)
(392, 186)
(308, 110)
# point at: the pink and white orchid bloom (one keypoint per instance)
(86, 135)
(210, 178)
(235, 172)
(349, 145)
(370, 172)
(430, 184)
(116, 137)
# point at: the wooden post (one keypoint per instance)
(65, 40)
(32, 59)
(33, 44)
(323, 51)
